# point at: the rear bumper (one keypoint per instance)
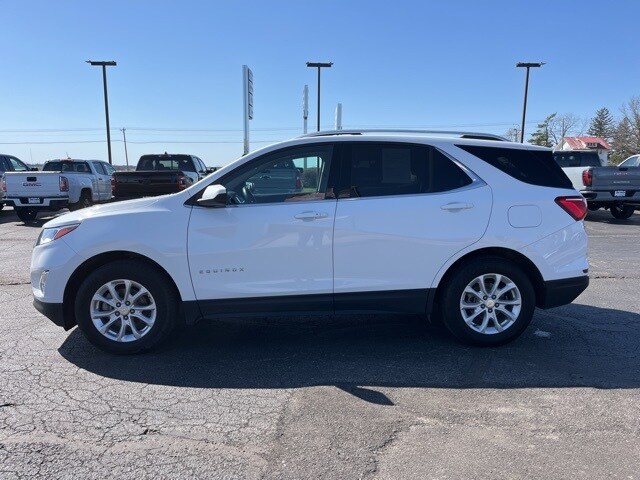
(56, 203)
(54, 312)
(607, 197)
(563, 291)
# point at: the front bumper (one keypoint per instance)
(54, 312)
(562, 292)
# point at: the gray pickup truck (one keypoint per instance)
(616, 188)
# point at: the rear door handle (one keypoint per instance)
(456, 206)
(311, 215)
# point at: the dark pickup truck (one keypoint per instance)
(159, 174)
(616, 188)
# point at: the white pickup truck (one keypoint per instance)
(61, 184)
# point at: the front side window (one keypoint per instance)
(378, 169)
(17, 165)
(297, 174)
(108, 168)
(99, 168)
(631, 162)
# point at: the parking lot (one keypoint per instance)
(365, 397)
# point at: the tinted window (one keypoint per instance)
(66, 166)
(577, 159)
(166, 162)
(378, 169)
(536, 167)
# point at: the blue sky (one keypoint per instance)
(396, 64)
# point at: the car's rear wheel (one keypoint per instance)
(126, 307)
(26, 214)
(487, 302)
(622, 211)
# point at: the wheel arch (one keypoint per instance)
(527, 266)
(97, 261)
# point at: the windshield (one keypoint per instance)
(631, 162)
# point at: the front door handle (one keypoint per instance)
(311, 215)
(456, 206)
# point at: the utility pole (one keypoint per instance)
(104, 66)
(526, 65)
(319, 65)
(305, 108)
(126, 155)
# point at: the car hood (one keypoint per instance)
(128, 206)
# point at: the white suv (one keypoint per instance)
(467, 228)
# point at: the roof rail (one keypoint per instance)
(472, 135)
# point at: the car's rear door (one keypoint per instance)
(405, 211)
(270, 253)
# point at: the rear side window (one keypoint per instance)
(383, 169)
(536, 167)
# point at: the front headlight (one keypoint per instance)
(50, 234)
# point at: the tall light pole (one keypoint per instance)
(319, 65)
(104, 66)
(527, 65)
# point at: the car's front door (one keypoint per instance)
(406, 211)
(267, 253)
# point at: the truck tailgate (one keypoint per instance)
(616, 178)
(33, 184)
(145, 183)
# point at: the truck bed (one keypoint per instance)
(147, 183)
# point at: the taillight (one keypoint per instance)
(587, 178)
(64, 184)
(182, 182)
(298, 182)
(113, 186)
(4, 185)
(574, 206)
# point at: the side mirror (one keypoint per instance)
(211, 170)
(300, 169)
(214, 196)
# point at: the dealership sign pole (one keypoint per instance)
(247, 82)
(305, 107)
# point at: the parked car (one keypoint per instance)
(159, 174)
(469, 229)
(9, 163)
(61, 183)
(616, 188)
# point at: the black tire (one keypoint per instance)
(26, 214)
(451, 297)
(593, 208)
(162, 292)
(83, 202)
(622, 212)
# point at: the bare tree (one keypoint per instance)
(513, 134)
(562, 126)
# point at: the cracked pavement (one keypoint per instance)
(358, 397)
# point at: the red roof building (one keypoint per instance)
(600, 145)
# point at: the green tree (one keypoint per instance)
(602, 124)
(543, 135)
(622, 142)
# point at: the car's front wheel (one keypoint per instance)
(487, 302)
(126, 307)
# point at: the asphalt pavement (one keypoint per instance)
(349, 397)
